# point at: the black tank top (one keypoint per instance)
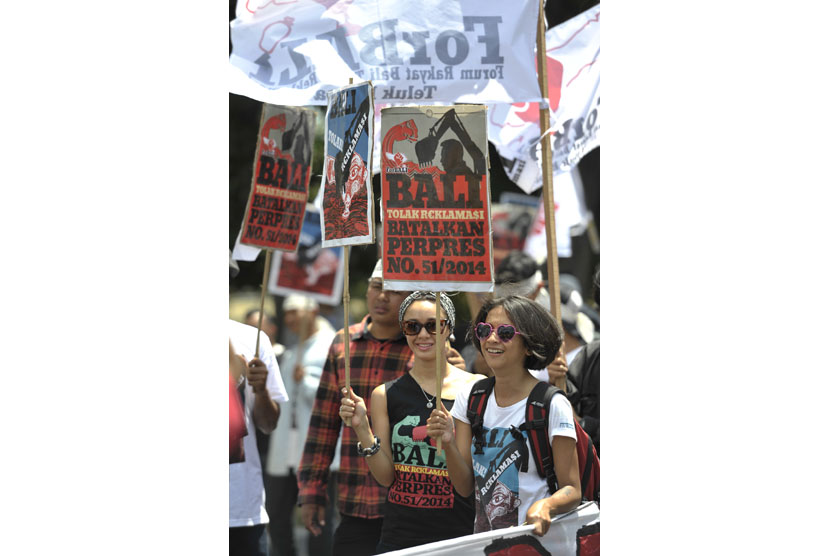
(421, 505)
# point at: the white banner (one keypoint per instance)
(573, 90)
(569, 212)
(560, 540)
(292, 51)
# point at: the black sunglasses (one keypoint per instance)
(413, 327)
(505, 332)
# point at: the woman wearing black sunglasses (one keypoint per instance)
(422, 505)
(513, 334)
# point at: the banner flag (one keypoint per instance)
(282, 171)
(292, 52)
(348, 215)
(313, 270)
(573, 87)
(570, 213)
(436, 220)
(560, 540)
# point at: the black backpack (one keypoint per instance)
(536, 425)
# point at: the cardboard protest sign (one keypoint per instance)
(511, 219)
(348, 208)
(313, 270)
(282, 171)
(436, 219)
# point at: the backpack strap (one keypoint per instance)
(475, 409)
(536, 425)
(589, 463)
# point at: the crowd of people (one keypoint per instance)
(390, 461)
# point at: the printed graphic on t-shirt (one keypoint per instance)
(421, 478)
(497, 480)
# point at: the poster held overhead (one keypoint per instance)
(435, 199)
(279, 189)
(347, 216)
(282, 171)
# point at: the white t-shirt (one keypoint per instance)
(247, 494)
(504, 494)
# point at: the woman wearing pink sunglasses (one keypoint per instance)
(421, 504)
(513, 334)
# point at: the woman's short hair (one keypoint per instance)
(446, 304)
(541, 332)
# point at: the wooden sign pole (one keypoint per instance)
(346, 300)
(440, 361)
(547, 177)
(262, 297)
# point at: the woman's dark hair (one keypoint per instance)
(541, 333)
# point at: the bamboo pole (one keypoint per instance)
(346, 336)
(346, 300)
(440, 361)
(547, 176)
(262, 298)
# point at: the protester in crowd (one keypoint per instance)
(397, 450)
(583, 383)
(513, 334)
(378, 353)
(261, 389)
(519, 274)
(302, 366)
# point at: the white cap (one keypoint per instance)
(378, 272)
(299, 302)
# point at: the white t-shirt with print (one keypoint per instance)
(504, 494)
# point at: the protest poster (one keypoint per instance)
(511, 219)
(313, 270)
(573, 65)
(436, 219)
(348, 214)
(562, 539)
(282, 171)
(430, 51)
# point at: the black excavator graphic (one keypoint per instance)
(452, 151)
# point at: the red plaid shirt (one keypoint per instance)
(373, 362)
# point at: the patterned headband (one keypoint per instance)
(446, 304)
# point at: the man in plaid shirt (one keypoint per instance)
(378, 353)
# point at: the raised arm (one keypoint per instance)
(353, 413)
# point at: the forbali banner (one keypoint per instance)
(436, 203)
(313, 270)
(573, 89)
(282, 172)
(568, 535)
(347, 209)
(293, 51)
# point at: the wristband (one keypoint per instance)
(371, 450)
